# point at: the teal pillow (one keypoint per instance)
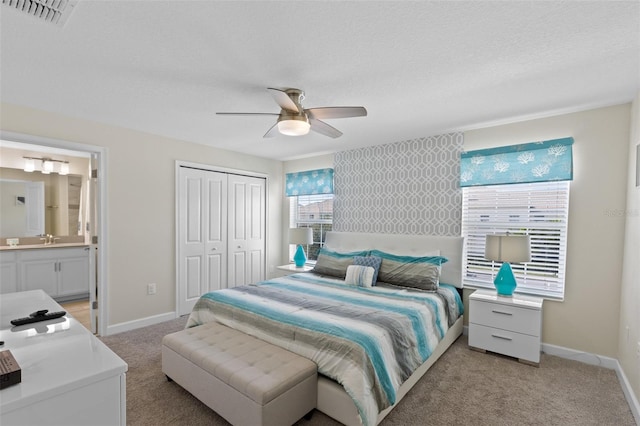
(372, 261)
(334, 263)
(409, 271)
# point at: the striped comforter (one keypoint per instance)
(370, 340)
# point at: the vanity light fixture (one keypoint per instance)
(47, 165)
(29, 164)
(64, 168)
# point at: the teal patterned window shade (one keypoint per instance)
(544, 161)
(310, 182)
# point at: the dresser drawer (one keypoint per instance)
(505, 342)
(505, 317)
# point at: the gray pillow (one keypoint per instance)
(335, 264)
(409, 271)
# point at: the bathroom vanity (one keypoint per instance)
(61, 270)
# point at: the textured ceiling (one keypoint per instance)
(420, 68)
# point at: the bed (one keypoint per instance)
(366, 365)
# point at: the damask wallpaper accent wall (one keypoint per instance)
(409, 187)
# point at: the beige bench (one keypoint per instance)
(247, 381)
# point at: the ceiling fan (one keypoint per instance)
(294, 120)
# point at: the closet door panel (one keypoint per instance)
(193, 277)
(201, 236)
(221, 232)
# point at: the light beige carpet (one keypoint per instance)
(463, 388)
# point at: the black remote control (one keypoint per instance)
(38, 316)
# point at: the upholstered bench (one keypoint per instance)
(244, 379)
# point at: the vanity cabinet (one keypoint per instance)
(63, 273)
(8, 272)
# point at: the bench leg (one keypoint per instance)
(308, 415)
(169, 379)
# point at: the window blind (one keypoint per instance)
(539, 210)
(312, 211)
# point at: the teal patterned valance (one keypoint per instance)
(531, 162)
(309, 182)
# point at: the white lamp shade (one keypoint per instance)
(293, 127)
(508, 248)
(300, 236)
(47, 167)
(29, 164)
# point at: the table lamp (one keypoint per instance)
(505, 249)
(300, 236)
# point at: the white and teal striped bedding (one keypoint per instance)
(370, 340)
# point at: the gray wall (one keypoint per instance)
(409, 187)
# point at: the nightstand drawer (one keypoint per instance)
(505, 342)
(513, 318)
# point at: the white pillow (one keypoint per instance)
(359, 275)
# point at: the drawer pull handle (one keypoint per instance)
(501, 312)
(497, 336)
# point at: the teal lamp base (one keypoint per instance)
(299, 258)
(505, 282)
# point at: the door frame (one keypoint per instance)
(101, 225)
(218, 169)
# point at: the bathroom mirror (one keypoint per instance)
(36, 202)
(33, 203)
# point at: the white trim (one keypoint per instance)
(597, 360)
(601, 361)
(634, 405)
(139, 323)
(101, 226)
(220, 169)
(585, 357)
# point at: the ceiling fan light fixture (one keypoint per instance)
(294, 126)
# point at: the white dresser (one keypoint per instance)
(507, 325)
(69, 377)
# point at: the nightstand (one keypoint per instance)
(509, 325)
(291, 268)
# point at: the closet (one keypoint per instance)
(221, 220)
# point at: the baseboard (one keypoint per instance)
(628, 393)
(602, 361)
(585, 357)
(142, 322)
(598, 360)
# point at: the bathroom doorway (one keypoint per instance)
(84, 207)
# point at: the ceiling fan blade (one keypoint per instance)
(247, 113)
(282, 98)
(324, 129)
(272, 132)
(336, 112)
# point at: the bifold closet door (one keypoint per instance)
(202, 235)
(247, 223)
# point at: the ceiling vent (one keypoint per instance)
(54, 11)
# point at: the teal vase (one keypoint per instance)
(505, 282)
(299, 258)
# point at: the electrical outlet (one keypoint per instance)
(151, 288)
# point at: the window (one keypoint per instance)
(313, 211)
(539, 210)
